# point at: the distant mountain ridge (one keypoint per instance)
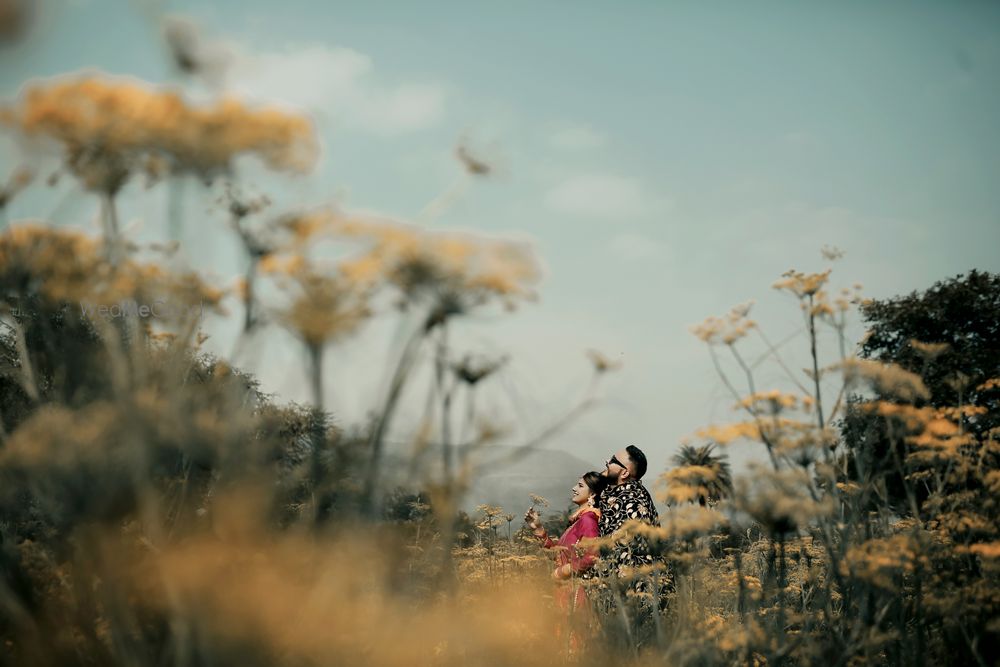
(509, 483)
(550, 473)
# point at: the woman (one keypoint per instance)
(572, 559)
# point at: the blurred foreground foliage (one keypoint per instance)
(156, 508)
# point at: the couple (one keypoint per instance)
(606, 501)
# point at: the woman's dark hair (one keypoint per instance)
(596, 482)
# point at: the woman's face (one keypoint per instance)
(581, 492)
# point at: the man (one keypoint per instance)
(624, 499)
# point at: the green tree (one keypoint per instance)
(950, 336)
(720, 484)
(963, 314)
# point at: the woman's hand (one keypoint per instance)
(563, 572)
(531, 518)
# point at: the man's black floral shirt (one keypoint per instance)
(618, 505)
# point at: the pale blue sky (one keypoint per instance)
(670, 160)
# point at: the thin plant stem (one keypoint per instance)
(112, 234)
(815, 365)
(725, 379)
(377, 439)
(773, 352)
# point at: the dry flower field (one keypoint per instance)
(157, 508)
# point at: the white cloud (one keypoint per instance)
(634, 247)
(340, 84)
(407, 107)
(576, 137)
(599, 196)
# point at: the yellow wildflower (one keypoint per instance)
(802, 284)
(110, 127)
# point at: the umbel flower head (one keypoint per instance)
(886, 378)
(602, 363)
(770, 402)
(62, 266)
(726, 330)
(324, 307)
(110, 128)
(801, 284)
(780, 501)
(879, 561)
(471, 370)
(425, 263)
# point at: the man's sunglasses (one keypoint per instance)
(614, 459)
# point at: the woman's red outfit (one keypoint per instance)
(570, 595)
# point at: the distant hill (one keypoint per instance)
(549, 473)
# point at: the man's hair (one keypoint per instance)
(638, 460)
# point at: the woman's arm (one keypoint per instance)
(547, 542)
(531, 517)
(581, 557)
